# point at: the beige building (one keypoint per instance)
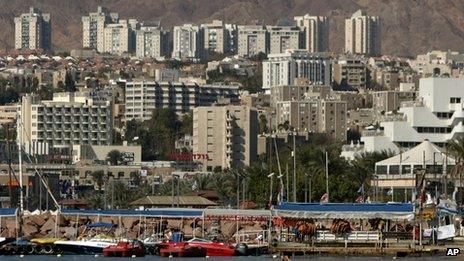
(93, 27)
(298, 92)
(252, 40)
(188, 42)
(282, 38)
(227, 135)
(68, 119)
(316, 32)
(117, 38)
(130, 155)
(142, 97)
(33, 30)
(314, 116)
(351, 73)
(362, 34)
(8, 113)
(387, 101)
(152, 41)
(216, 36)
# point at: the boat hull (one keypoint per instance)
(82, 248)
(181, 250)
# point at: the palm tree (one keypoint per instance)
(456, 150)
(98, 177)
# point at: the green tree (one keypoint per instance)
(69, 83)
(262, 124)
(99, 178)
(114, 157)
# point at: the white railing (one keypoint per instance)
(253, 237)
(354, 236)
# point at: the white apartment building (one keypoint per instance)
(118, 37)
(252, 40)
(362, 34)
(216, 36)
(93, 27)
(284, 68)
(152, 41)
(226, 134)
(437, 116)
(282, 38)
(142, 97)
(188, 42)
(316, 32)
(69, 119)
(33, 30)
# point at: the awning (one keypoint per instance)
(162, 212)
(237, 214)
(8, 212)
(392, 211)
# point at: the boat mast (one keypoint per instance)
(20, 141)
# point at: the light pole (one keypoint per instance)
(270, 176)
(327, 175)
(294, 166)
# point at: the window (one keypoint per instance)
(455, 100)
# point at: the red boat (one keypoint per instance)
(180, 249)
(125, 249)
(213, 248)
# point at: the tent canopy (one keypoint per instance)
(8, 212)
(162, 212)
(426, 152)
(237, 212)
(101, 225)
(392, 211)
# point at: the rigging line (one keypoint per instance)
(44, 182)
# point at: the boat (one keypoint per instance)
(213, 248)
(89, 245)
(125, 249)
(6, 240)
(180, 249)
(85, 247)
(43, 246)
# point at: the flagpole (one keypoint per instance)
(327, 175)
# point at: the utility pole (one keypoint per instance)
(294, 166)
(9, 162)
(327, 175)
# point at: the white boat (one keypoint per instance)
(85, 247)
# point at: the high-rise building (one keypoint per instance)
(285, 68)
(93, 27)
(350, 72)
(69, 119)
(119, 37)
(226, 134)
(282, 38)
(252, 40)
(152, 41)
(362, 34)
(316, 32)
(216, 36)
(33, 30)
(314, 115)
(188, 42)
(142, 97)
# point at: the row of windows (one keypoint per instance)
(433, 129)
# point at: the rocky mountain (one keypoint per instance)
(409, 27)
